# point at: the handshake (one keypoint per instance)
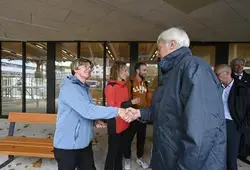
(129, 114)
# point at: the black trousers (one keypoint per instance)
(82, 159)
(139, 129)
(233, 143)
(245, 144)
(115, 152)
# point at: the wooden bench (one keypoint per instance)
(27, 146)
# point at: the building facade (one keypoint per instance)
(31, 72)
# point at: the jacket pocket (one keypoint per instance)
(77, 128)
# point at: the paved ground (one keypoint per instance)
(100, 148)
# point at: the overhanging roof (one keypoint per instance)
(123, 20)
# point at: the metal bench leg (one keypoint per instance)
(11, 158)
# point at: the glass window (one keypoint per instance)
(148, 55)
(206, 52)
(65, 54)
(36, 79)
(11, 67)
(240, 50)
(94, 52)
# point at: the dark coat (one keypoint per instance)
(238, 103)
(245, 138)
(188, 115)
(245, 78)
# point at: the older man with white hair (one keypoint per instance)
(187, 110)
(237, 66)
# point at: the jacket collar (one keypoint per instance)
(75, 80)
(172, 59)
(133, 78)
(120, 83)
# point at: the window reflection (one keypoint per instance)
(11, 78)
(205, 52)
(148, 55)
(240, 50)
(36, 79)
(65, 54)
(94, 52)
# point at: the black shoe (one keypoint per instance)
(243, 159)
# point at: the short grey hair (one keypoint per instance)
(223, 68)
(174, 34)
(237, 61)
(79, 62)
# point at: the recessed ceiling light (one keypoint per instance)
(39, 46)
(6, 51)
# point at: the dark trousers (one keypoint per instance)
(244, 151)
(82, 159)
(139, 129)
(115, 152)
(233, 142)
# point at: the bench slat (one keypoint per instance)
(34, 118)
(27, 140)
(26, 144)
(26, 151)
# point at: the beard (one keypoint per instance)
(142, 76)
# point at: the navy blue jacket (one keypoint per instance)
(188, 116)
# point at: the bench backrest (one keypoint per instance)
(33, 118)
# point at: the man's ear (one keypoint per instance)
(173, 45)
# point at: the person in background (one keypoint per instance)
(138, 88)
(186, 109)
(117, 95)
(235, 102)
(238, 73)
(75, 119)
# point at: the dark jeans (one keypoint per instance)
(115, 154)
(139, 129)
(233, 142)
(82, 159)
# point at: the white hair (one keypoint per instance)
(174, 34)
(237, 61)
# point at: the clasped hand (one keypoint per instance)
(129, 114)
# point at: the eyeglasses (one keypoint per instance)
(87, 66)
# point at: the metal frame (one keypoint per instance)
(1, 78)
(51, 77)
(78, 49)
(133, 52)
(104, 73)
(24, 55)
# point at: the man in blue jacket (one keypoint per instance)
(75, 119)
(187, 110)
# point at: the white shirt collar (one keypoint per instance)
(230, 84)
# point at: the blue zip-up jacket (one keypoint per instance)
(76, 112)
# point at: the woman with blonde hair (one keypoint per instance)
(117, 95)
